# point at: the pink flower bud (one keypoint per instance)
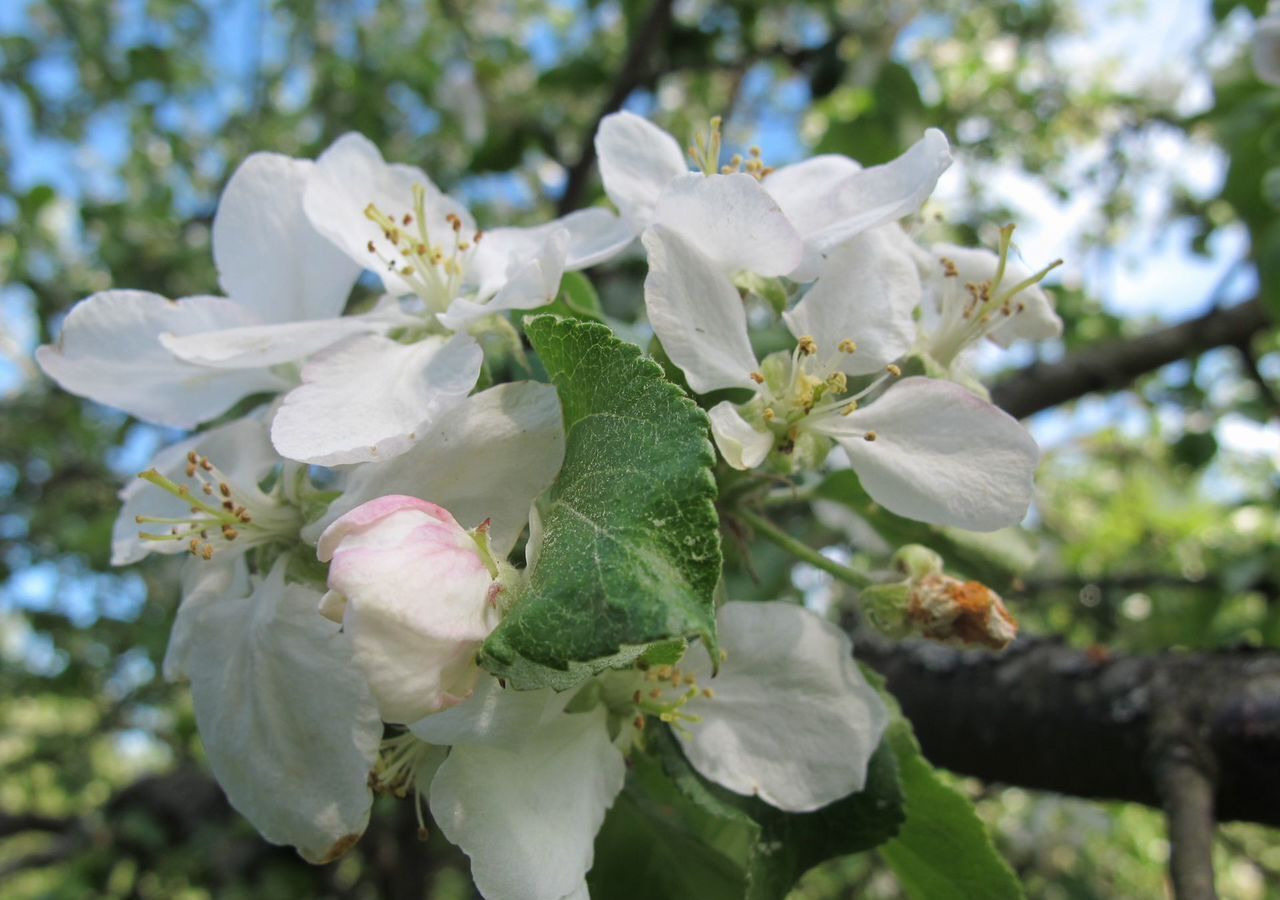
(417, 595)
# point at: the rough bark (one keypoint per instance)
(1048, 717)
(1115, 364)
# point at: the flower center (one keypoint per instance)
(665, 692)
(972, 310)
(403, 761)
(221, 514)
(798, 389)
(433, 265)
(705, 153)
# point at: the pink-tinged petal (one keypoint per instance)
(110, 351)
(940, 455)
(269, 257)
(866, 293)
(790, 719)
(418, 602)
(488, 459)
(370, 398)
(733, 221)
(697, 314)
(882, 194)
(637, 160)
(742, 445)
(352, 174)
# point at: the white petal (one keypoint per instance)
(487, 459)
(264, 345)
(595, 235)
(733, 221)
(941, 455)
(637, 159)
(883, 194)
(866, 293)
(742, 445)
(528, 818)
(203, 581)
(792, 720)
(269, 257)
(349, 176)
(290, 731)
(697, 314)
(494, 716)
(110, 352)
(370, 398)
(805, 190)
(241, 449)
(529, 282)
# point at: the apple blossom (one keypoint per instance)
(286, 283)
(790, 217)
(974, 294)
(924, 449)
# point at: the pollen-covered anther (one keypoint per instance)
(756, 377)
(949, 269)
(847, 346)
(894, 370)
(808, 346)
(869, 436)
(769, 414)
(838, 382)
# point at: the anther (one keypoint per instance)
(847, 346)
(808, 346)
(869, 436)
(709, 693)
(893, 370)
(756, 377)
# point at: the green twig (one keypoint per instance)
(801, 550)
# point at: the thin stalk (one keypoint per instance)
(801, 550)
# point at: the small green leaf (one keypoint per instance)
(943, 851)
(631, 543)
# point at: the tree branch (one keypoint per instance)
(1115, 364)
(1049, 717)
(636, 68)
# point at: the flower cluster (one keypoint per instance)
(332, 619)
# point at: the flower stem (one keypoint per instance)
(801, 550)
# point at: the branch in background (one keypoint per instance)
(1115, 364)
(635, 70)
(1048, 717)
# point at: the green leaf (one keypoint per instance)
(786, 845)
(631, 543)
(656, 842)
(943, 851)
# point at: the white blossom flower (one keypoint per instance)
(527, 783)
(290, 736)
(972, 294)
(203, 495)
(791, 216)
(186, 362)
(924, 449)
(371, 398)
